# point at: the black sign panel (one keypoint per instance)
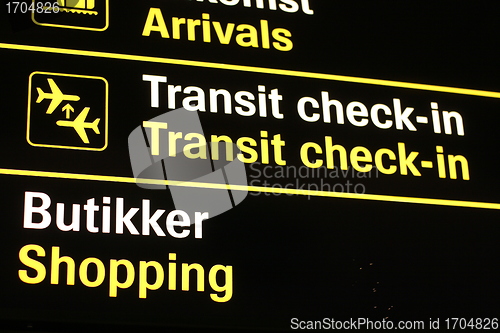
(259, 165)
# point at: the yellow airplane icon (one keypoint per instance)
(55, 95)
(80, 125)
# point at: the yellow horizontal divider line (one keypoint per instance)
(252, 69)
(372, 197)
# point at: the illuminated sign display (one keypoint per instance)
(247, 165)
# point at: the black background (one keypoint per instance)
(292, 256)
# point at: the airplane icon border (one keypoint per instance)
(106, 26)
(31, 92)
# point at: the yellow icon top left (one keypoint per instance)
(90, 15)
